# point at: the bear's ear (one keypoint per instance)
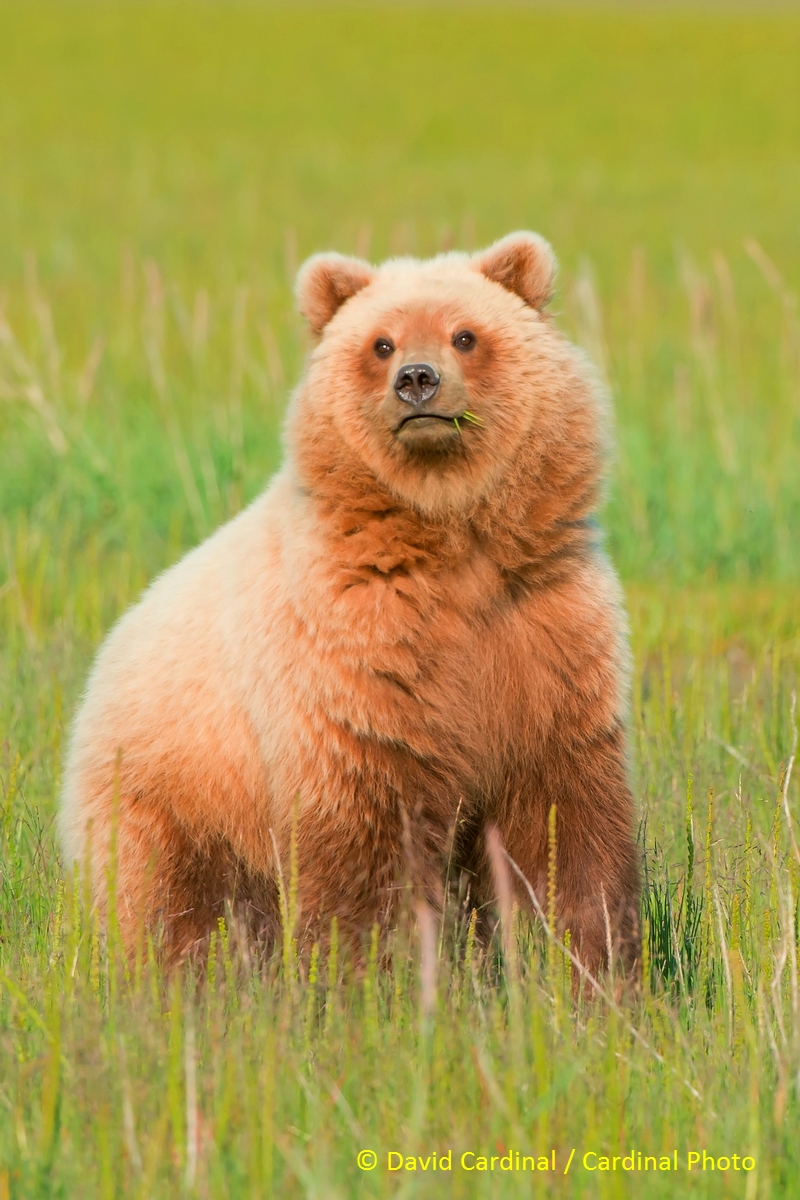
(324, 282)
(523, 263)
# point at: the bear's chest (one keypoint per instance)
(394, 644)
(431, 663)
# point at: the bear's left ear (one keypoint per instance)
(523, 263)
(323, 284)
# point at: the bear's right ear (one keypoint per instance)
(523, 263)
(324, 282)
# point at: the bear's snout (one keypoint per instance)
(416, 383)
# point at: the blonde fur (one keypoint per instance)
(407, 620)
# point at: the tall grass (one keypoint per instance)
(267, 1076)
(165, 168)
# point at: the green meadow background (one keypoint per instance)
(164, 168)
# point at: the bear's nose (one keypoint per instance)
(416, 383)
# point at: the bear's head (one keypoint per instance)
(437, 379)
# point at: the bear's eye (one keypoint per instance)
(383, 348)
(465, 340)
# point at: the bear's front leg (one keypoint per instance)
(597, 872)
(373, 843)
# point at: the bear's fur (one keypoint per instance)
(413, 621)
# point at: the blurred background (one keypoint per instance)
(166, 166)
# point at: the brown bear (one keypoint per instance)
(415, 620)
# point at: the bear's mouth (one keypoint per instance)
(427, 417)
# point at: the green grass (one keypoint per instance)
(164, 168)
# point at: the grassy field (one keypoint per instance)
(164, 169)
